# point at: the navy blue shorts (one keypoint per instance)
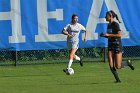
(115, 49)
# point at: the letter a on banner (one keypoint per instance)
(94, 19)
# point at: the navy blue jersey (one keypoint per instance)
(114, 42)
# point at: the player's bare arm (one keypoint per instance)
(86, 35)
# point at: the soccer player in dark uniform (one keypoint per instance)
(115, 45)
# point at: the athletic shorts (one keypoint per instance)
(116, 49)
(73, 45)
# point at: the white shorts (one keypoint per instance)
(73, 45)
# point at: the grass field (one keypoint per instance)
(49, 78)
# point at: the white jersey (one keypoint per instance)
(74, 30)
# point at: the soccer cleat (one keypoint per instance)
(81, 62)
(117, 81)
(64, 70)
(130, 64)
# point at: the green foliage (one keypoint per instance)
(63, 54)
(49, 54)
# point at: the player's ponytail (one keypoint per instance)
(113, 14)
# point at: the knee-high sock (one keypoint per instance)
(113, 70)
(77, 58)
(70, 63)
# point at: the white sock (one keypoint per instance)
(70, 63)
(77, 58)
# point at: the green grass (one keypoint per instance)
(49, 78)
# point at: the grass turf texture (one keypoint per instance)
(49, 78)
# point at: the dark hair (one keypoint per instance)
(113, 14)
(74, 16)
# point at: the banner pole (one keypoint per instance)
(16, 58)
(105, 56)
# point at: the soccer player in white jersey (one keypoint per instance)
(72, 31)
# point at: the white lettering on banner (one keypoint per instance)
(94, 19)
(111, 4)
(15, 17)
(43, 17)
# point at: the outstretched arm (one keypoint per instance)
(119, 34)
(86, 35)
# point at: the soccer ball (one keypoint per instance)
(69, 71)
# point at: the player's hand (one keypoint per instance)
(85, 39)
(70, 36)
(106, 35)
(102, 34)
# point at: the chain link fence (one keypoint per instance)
(62, 55)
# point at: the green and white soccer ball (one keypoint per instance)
(69, 71)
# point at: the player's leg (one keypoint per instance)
(76, 57)
(110, 59)
(118, 60)
(130, 64)
(76, 45)
(71, 57)
(120, 64)
(69, 44)
(79, 59)
(111, 65)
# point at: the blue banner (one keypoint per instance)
(37, 24)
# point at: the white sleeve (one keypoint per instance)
(82, 27)
(66, 27)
